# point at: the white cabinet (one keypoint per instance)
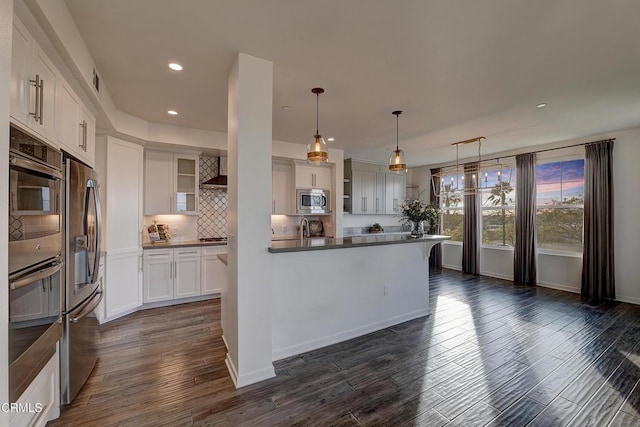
(87, 137)
(171, 274)
(171, 183)
(313, 177)
(368, 192)
(68, 123)
(43, 393)
(282, 188)
(187, 272)
(120, 168)
(214, 272)
(33, 84)
(395, 192)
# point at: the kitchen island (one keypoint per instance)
(329, 290)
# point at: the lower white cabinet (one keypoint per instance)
(214, 272)
(41, 400)
(171, 274)
(122, 284)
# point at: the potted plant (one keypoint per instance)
(376, 228)
(415, 212)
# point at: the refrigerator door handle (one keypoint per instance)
(88, 307)
(92, 184)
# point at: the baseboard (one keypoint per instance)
(496, 275)
(559, 287)
(346, 335)
(452, 267)
(630, 300)
(249, 378)
(224, 340)
(167, 303)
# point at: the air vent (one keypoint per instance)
(96, 81)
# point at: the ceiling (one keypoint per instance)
(458, 69)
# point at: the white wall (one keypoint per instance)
(421, 176)
(562, 271)
(6, 25)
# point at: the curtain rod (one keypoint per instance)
(545, 150)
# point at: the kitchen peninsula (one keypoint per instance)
(330, 290)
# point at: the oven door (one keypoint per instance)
(34, 322)
(35, 219)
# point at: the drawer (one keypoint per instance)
(186, 252)
(214, 250)
(158, 254)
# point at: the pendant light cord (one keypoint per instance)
(317, 109)
(397, 121)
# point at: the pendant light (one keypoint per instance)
(397, 162)
(317, 151)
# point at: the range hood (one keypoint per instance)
(221, 179)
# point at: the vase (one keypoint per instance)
(417, 228)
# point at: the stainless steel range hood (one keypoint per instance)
(219, 181)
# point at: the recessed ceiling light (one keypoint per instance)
(175, 66)
(286, 107)
(541, 105)
(331, 139)
(172, 112)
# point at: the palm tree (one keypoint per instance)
(498, 197)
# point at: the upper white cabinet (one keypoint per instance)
(308, 176)
(282, 188)
(33, 84)
(395, 192)
(171, 183)
(372, 191)
(42, 101)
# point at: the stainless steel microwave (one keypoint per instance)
(313, 201)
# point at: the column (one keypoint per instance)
(248, 300)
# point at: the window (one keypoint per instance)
(451, 206)
(560, 205)
(498, 197)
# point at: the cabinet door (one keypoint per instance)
(395, 193)
(304, 176)
(124, 196)
(364, 192)
(87, 136)
(21, 44)
(158, 275)
(281, 188)
(185, 196)
(44, 390)
(214, 275)
(322, 178)
(381, 180)
(68, 120)
(44, 69)
(122, 284)
(187, 276)
(158, 183)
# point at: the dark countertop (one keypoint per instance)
(223, 258)
(180, 244)
(320, 243)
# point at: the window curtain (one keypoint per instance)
(524, 253)
(435, 258)
(470, 249)
(598, 272)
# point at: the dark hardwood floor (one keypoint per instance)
(491, 353)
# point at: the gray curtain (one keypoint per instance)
(435, 258)
(470, 247)
(524, 253)
(598, 270)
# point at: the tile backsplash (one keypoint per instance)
(212, 217)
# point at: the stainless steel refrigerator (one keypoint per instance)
(82, 291)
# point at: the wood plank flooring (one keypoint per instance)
(490, 354)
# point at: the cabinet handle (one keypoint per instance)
(377, 204)
(44, 286)
(362, 204)
(170, 203)
(187, 253)
(175, 269)
(273, 206)
(171, 270)
(36, 83)
(41, 99)
(84, 136)
(50, 285)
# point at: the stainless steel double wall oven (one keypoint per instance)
(54, 258)
(35, 257)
